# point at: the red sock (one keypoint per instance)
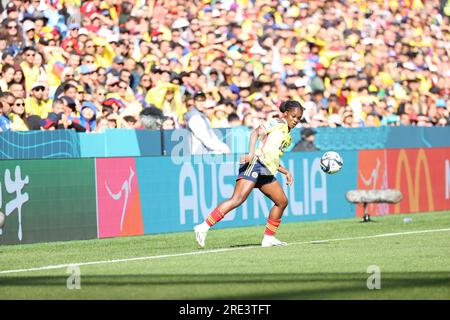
(214, 217)
(272, 226)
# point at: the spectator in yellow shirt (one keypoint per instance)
(29, 68)
(18, 116)
(36, 104)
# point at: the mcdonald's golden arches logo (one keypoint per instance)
(414, 186)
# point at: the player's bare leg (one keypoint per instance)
(274, 192)
(241, 192)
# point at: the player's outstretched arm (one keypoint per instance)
(290, 179)
(253, 139)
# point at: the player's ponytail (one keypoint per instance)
(290, 104)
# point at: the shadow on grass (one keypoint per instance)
(255, 286)
(245, 245)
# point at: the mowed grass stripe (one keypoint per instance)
(66, 252)
(333, 266)
(337, 270)
(216, 251)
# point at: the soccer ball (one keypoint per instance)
(2, 219)
(331, 162)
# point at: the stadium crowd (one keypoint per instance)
(90, 65)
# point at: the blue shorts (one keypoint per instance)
(255, 171)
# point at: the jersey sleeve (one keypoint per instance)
(271, 125)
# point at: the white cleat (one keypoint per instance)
(200, 234)
(271, 241)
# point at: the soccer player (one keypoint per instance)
(257, 170)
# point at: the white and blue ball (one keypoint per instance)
(331, 162)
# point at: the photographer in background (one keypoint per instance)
(307, 142)
(203, 138)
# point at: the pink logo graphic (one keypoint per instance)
(118, 202)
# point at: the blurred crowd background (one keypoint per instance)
(91, 65)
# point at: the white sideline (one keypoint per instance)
(216, 251)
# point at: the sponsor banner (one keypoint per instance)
(422, 175)
(373, 174)
(135, 143)
(36, 144)
(179, 194)
(118, 200)
(47, 200)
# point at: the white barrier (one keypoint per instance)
(373, 196)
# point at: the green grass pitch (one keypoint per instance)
(413, 265)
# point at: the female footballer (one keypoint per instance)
(257, 170)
